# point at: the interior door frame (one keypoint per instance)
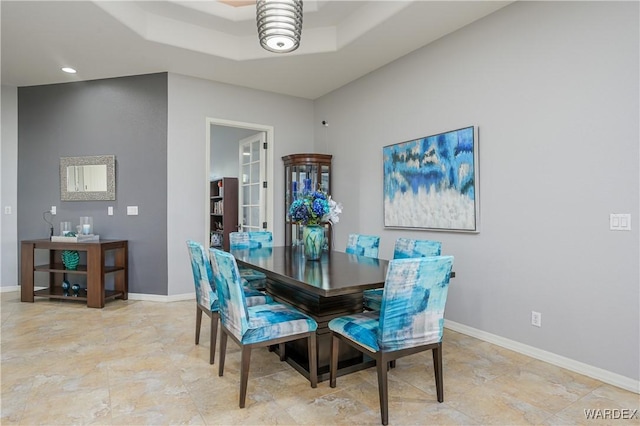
(268, 130)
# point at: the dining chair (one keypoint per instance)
(256, 326)
(410, 321)
(252, 240)
(404, 248)
(363, 245)
(206, 296)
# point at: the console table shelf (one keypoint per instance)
(94, 269)
(82, 269)
(58, 293)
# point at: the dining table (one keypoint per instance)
(324, 289)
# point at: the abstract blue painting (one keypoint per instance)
(432, 182)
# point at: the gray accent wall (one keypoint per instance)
(125, 117)
(553, 87)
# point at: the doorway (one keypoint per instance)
(223, 141)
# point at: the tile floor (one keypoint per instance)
(135, 363)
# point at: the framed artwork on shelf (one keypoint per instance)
(432, 183)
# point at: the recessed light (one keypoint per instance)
(69, 70)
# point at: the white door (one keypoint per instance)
(252, 180)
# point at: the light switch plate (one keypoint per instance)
(620, 222)
(110, 210)
(132, 210)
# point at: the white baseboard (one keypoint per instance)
(132, 296)
(10, 288)
(161, 298)
(605, 376)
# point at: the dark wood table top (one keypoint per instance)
(82, 245)
(336, 273)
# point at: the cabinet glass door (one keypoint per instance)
(316, 168)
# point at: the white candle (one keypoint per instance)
(86, 228)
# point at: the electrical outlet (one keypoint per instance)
(536, 318)
(7, 209)
(53, 210)
(110, 211)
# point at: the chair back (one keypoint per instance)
(252, 239)
(231, 299)
(239, 240)
(202, 276)
(363, 245)
(413, 301)
(260, 239)
(407, 248)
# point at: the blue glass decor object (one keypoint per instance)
(65, 287)
(313, 239)
(76, 289)
(70, 259)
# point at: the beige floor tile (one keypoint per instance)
(329, 409)
(136, 363)
(489, 404)
(604, 405)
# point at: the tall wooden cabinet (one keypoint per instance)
(297, 168)
(223, 210)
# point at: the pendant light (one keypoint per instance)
(279, 24)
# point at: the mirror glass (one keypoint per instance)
(87, 178)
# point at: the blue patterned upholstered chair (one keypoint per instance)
(410, 320)
(252, 240)
(363, 245)
(403, 249)
(256, 326)
(206, 296)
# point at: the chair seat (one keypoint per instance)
(255, 297)
(361, 328)
(276, 320)
(372, 299)
(251, 274)
(259, 285)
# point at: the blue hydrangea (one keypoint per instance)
(311, 208)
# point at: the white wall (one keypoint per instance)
(554, 88)
(225, 159)
(191, 101)
(9, 188)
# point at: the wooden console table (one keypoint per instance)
(94, 269)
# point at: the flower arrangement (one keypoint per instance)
(314, 208)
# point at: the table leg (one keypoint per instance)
(95, 277)
(122, 277)
(26, 284)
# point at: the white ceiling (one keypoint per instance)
(341, 40)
